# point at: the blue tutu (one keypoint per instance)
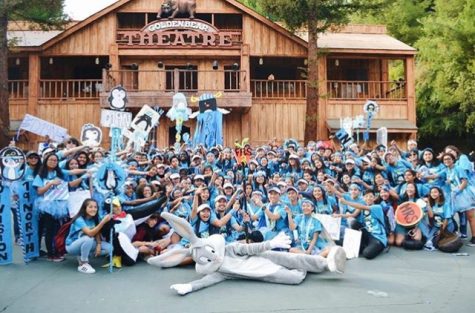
(464, 200)
(57, 208)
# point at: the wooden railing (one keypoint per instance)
(18, 89)
(177, 80)
(366, 89)
(278, 89)
(72, 88)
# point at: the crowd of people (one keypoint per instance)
(278, 189)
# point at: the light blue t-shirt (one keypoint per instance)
(76, 229)
(374, 223)
(307, 226)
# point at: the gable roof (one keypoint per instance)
(121, 3)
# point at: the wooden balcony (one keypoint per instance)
(18, 89)
(157, 87)
(278, 89)
(348, 90)
(70, 89)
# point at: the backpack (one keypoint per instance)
(60, 238)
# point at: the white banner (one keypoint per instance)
(117, 119)
(43, 128)
(382, 136)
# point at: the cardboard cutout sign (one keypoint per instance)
(408, 214)
(351, 243)
(146, 119)
(91, 135)
(110, 118)
(118, 98)
(345, 139)
(12, 163)
(331, 224)
(382, 136)
(28, 221)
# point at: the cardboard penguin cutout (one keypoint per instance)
(209, 129)
(12, 163)
(91, 135)
(118, 98)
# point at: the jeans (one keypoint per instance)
(86, 245)
(50, 226)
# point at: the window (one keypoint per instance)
(231, 78)
(187, 78)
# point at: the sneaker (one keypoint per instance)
(463, 236)
(429, 246)
(471, 243)
(86, 269)
(56, 259)
(43, 254)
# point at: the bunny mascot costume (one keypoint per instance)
(247, 261)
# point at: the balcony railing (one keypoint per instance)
(278, 89)
(18, 89)
(367, 89)
(72, 88)
(177, 80)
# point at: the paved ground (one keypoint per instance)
(398, 281)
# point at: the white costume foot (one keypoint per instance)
(336, 260)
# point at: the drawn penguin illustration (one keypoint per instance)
(12, 163)
(145, 118)
(110, 179)
(91, 135)
(118, 98)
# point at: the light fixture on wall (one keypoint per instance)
(261, 61)
(215, 65)
(160, 64)
(108, 66)
(305, 62)
(97, 61)
(189, 66)
(337, 62)
(235, 66)
(134, 66)
(51, 61)
(17, 61)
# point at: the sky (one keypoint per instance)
(80, 9)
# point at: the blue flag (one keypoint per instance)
(28, 220)
(6, 240)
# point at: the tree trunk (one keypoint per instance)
(311, 118)
(4, 106)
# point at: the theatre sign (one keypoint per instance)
(179, 33)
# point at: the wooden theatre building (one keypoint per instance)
(65, 77)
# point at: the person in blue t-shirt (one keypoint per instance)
(308, 229)
(85, 235)
(373, 239)
(440, 214)
(272, 217)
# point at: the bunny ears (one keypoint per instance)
(182, 227)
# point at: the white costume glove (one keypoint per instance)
(281, 241)
(181, 289)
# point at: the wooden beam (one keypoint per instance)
(34, 73)
(181, 52)
(322, 99)
(411, 90)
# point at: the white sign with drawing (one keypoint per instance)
(110, 118)
(91, 135)
(146, 119)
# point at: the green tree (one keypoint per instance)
(403, 18)
(45, 13)
(446, 66)
(316, 16)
